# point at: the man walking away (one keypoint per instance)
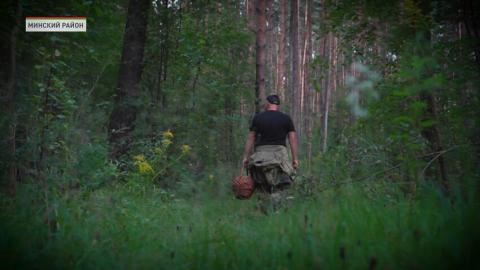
(269, 166)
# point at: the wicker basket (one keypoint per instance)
(243, 187)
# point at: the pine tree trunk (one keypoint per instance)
(164, 43)
(280, 88)
(328, 92)
(432, 135)
(472, 26)
(251, 14)
(295, 63)
(10, 88)
(260, 54)
(122, 119)
(270, 83)
(471, 22)
(308, 96)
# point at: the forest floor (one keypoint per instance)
(354, 226)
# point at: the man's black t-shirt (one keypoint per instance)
(272, 126)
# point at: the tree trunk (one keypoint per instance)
(164, 46)
(10, 65)
(472, 25)
(122, 119)
(280, 88)
(328, 91)
(471, 21)
(270, 84)
(308, 96)
(296, 95)
(251, 14)
(260, 55)
(432, 135)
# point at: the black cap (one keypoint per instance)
(273, 99)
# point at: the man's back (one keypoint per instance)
(272, 127)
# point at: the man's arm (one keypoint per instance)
(292, 138)
(248, 147)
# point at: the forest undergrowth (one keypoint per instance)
(370, 224)
(119, 144)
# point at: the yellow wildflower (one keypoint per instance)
(139, 157)
(157, 150)
(166, 142)
(185, 149)
(142, 164)
(144, 167)
(167, 134)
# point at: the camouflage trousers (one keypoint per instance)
(270, 170)
(273, 202)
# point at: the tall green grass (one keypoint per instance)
(347, 227)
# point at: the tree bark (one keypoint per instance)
(251, 4)
(270, 84)
(432, 135)
(308, 96)
(164, 46)
(471, 21)
(122, 119)
(280, 87)
(328, 90)
(472, 24)
(10, 66)
(260, 54)
(296, 95)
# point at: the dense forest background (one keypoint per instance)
(118, 145)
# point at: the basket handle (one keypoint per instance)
(242, 170)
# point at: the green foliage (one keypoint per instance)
(416, 107)
(343, 228)
(63, 93)
(159, 162)
(360, 205)
(208, 75)
(402, 114)
(90, 168)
